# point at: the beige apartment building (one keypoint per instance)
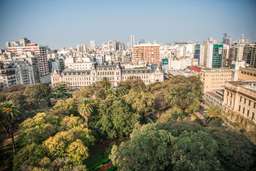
(113, 73)
(214, 79)
(240, 98)
(147, 53)
(247, 74)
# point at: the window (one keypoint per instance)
(244, 100)
(248, 112)
(243, 110)
(254, 106)
(239, 108)
(241, 98)
(249, 102)
(252, 115)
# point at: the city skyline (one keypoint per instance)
(65, 23)
(140, 85)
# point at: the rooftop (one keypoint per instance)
(249, 85)
(147, 44)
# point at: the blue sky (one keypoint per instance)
(64, 23)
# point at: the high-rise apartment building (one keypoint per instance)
(131, 42)
(236, 52)
(7, 74)
(22, 46)
(217, 55)
(225, 55)
(43, 66)
(226, 39)
(146, 53)
(25, 46)
(197, 52)
(202, 61)
(26, 71)
(212, 54)
(249, 55)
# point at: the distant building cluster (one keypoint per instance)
(23, 62)
(226, 68)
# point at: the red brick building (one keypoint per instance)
(146, 53)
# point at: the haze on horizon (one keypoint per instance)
(64, 23)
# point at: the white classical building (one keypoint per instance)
(180, 64)
(113, 73)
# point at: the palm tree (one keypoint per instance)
(8, 116)
(86, 109)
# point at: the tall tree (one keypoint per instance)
(195, 151)
(185, 94)
(38, 128)
(66, 106)
(86, 108)
(149, 149)
(8, 117)
(53, 141)
(18, 99)
(142, 102)
(37, 93)
(101, 88)
(28, 156)
(116, 118)
(235, 152)
(60, 91)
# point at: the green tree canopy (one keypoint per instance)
(148, 149)
(235, 152)
(67, 106)
(135, 84)
(87, 109)
(38, 128)
(60, 92)
(142, 102)
(101, 88)
(185, 94)
(195, 151)
(77, 151)
(191, 147)
(8, 117)
(37, 93)
(116, 118)
(28, 156)
(62, 140)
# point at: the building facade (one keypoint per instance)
(113, 73)
(25, 46)
(216, 58)
(7, 75)
(240, 98)
(80, 65)
(197, 52)
(211, 54)
(146, 53)
(26, 71)
(249, 55)
(247, 74)
(214, 79)
(43, 66)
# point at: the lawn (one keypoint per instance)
(99, 155)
